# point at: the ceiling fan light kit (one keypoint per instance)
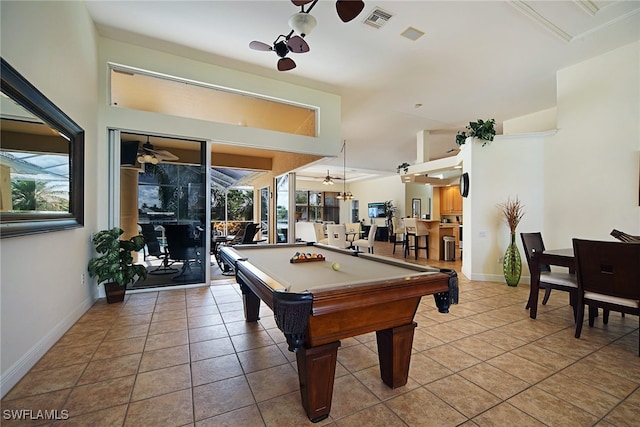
(148, 154)
(301, 24)
(327, 179)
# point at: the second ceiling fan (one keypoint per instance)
(301, 24)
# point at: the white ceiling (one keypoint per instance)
(477, 59)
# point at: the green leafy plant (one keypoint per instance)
(481, 129)
(115, 264)
(403, 166)
(389, 209)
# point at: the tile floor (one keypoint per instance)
(187, 358)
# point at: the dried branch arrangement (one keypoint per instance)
(513, 211)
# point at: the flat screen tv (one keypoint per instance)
(376, 210)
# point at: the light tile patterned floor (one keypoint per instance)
(187, 358)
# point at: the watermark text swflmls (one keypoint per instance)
(35, 414)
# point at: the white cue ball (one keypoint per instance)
(335, 266)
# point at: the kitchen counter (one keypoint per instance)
(437, 230)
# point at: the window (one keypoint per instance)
(132, 88)
(308, 206)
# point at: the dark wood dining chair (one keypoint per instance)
(608, 277)
(563, 281)
(625, 237)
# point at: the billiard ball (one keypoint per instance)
(335, 266)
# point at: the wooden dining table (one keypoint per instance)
(559, 257)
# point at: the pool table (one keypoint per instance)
(315, 306)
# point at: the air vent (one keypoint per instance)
(377, 18)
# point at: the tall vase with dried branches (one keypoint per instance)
(513, 211)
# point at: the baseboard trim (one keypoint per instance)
(19, 369)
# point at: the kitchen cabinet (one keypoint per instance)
(450, 200)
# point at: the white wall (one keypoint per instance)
(509, 167)
(377, 190)
(592, 163)
(41, 291)
(581, 180)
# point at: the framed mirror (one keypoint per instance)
(41, 161)
(416, 208)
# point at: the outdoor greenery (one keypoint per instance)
(32, 195)
(177, 188)
(239, 204)
(481, 129)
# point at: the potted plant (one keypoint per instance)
(481, 129)
(115, 266)
(389, 210)
(403, 166)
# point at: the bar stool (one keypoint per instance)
(399, 230)
(416, 229)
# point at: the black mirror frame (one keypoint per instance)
(19, 89)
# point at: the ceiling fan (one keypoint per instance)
(301, 24)
(148, 154)
(328, 180)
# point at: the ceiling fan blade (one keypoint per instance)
(165, 155)
(301, 2)
(256, 45)
(349, 9)
(296, 44)
(286, 64)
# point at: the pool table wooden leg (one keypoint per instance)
(394, 354)
(316, 371)
(251, 304)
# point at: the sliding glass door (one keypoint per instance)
(165, 198)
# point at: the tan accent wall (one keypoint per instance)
(129, 203)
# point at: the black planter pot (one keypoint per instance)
(115, 292)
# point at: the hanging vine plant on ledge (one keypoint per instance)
(481, 129)
(403, 166)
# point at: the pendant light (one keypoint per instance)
(344, 195)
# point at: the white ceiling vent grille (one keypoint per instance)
(377, 18)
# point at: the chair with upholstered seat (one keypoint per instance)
(305, 231)
(415, 230)
(369, 241)
(154, 249)
(353, 231)
(399, 233)
(563, 281)
(321, 236)
(608, 277)
(337, 234)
